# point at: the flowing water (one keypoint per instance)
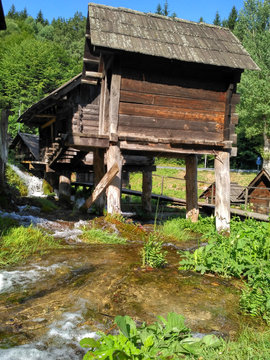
(52, 301)
(33, 183)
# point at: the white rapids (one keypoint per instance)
(33, 183)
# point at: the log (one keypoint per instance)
(147, 192)
(99, 173)
(114, 103)
(64, 187)
(192, 208)
(102, 185)
(222, 199)
(114, 189)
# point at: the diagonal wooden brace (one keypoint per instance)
(102, 185)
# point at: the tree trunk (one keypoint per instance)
(192, 209)
(3, 147)
(222, 198)
(114, 189)
(266, 151)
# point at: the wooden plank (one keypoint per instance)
(133, 121)
(171, 90)
(164, 112)
(227, 115)
(89, 82)
(48, 123)
(102, 185)
(114, 103)
(163, 100)
(167, 135)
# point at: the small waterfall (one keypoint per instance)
(33, 183)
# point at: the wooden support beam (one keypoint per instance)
(48, 123)
(114, 103)
(222, 199)
(114, 190)
(99, 173)
(64, 187)
(94, 74)
(102, 185)
(192, 208)
(147, 192)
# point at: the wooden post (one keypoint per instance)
(99, 172)
(64, 187)
(192, 209)
(114, 189)
(3, 146)
(147, 192)
(114, 152)
(246, 198)
(222, 198)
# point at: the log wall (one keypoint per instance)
(174, 112)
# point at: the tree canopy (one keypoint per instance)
(36, 57)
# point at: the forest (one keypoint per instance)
(37, 56)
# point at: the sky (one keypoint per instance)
(185, 9)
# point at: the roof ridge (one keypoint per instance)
(127, 10)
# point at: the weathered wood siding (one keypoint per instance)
(260, 198)
(170, 111)
(85, 119)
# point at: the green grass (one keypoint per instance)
(251, 345)
(99, 236)
(18, 243)
(15, 181)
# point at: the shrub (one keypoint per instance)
(152, 253)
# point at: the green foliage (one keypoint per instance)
(165, 339)
(99, 236)
(244, 254)
(152, 253)
(217, 20)
(252, 29)
(36, 57)
(7, 223)
(18, 243)
(14, 181)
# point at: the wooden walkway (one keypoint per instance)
(209, 208)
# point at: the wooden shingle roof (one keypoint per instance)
(262, 176)
(172, 38)
(30, 140)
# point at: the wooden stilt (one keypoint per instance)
(146, 192)
(192, 209)
(99, 172)
(114, 189)
(64, 187)
(222, 198)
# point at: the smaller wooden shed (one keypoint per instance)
(257, 193)
(26, 146)
(210, 193)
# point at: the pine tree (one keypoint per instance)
(217, 20)
(232, 19)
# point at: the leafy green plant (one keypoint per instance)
(245, 254)
(165, 339)
(152, 253)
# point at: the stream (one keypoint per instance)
(49, 303)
